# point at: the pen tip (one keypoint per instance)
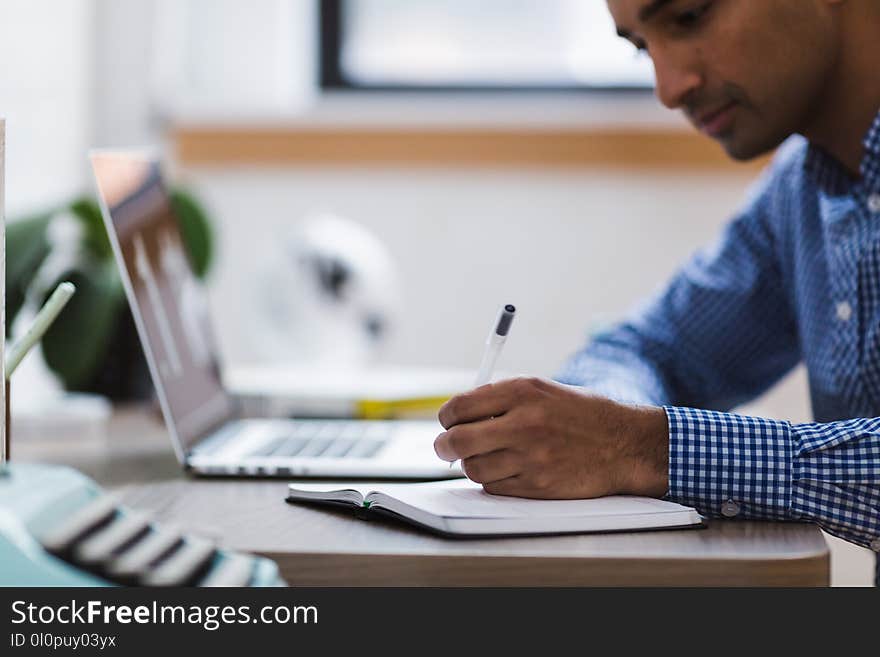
(510, 308)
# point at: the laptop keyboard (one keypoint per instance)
(318, 439)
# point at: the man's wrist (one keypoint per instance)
(649, 453)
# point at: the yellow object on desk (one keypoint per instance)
(394, 409)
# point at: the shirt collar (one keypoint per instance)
(831, 176)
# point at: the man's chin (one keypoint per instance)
(743, 150)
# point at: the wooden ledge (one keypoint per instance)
(453, 146)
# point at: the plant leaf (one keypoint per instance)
(195, 230)
(74, 346)
(26, 248)
(95, 240)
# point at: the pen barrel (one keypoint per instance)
(490, 357)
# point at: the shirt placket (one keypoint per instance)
(868, 216)
(845, 249)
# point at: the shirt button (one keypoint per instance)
(874, 203)
(729, 509)
(844, 311)
(875, 545)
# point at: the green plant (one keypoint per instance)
(93, 345)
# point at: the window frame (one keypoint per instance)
(332, 78)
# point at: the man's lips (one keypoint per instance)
(717, 121)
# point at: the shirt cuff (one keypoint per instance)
(730, 465)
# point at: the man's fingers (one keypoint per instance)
(490, 400)
(522, 485)
(494, 466)
(512, 486)
(478, 404)
(466, 440)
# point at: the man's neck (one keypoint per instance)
(851, 101)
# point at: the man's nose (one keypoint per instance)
(676, 79)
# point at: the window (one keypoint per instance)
(463, 44)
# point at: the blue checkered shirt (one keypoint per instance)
(795, 277)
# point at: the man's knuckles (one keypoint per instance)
(524, 388)
(533, 419)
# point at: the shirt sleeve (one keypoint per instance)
(731, 465)
(719, 334)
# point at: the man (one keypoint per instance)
(794, 277)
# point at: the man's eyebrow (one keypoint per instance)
(650, 9)
(646, 13)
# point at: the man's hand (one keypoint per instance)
(531, 437)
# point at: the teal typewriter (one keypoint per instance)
(59, 528)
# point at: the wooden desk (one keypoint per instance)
(324, 548)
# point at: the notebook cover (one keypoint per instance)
(369, 513)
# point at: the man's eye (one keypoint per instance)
(691, 17)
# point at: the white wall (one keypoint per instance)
(124, 112)
(45, 93)
(563, 246)
(158, 59)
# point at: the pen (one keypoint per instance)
(494, 343)
(40, 325)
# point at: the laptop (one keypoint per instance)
(209, 433)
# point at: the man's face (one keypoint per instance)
(747, 73)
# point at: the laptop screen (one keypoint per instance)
(168, 302)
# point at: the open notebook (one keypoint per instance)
(462, 508)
